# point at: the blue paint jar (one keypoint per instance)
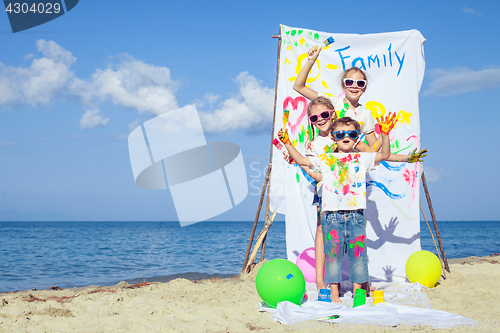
(324, 295)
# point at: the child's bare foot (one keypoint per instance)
(336, 300)
(335, 292)
(321, 285)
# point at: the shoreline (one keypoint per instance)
(194, 276)
(215, 305)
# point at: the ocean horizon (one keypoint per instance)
(40, 255)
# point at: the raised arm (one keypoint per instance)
(300, 83)
(386, 125)
(374, 142)
(299, 159)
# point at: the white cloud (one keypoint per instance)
(208, 100)
(251, 109)
(92, 119)
(461, 80)
(39, 83)
(130, 83)
(433, 175)
(135, 84)
(8, 143)
(468, 10)
(211, 98)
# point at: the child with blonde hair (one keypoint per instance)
(353, 82)
(344, 199)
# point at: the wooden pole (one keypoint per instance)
(434, 241)
(257, 216)
(424, 183)
(263, 250)
(261, 237)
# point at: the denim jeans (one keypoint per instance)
(344, 231)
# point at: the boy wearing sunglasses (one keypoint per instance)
(344, 199)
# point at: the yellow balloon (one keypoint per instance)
(424, 267)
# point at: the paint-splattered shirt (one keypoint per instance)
(320, 145)
(362, 115)
(344, 179)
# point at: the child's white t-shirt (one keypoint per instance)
(320, 145)
(361, 114)
(344, 179)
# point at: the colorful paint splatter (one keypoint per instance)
(335, 250)
(358, 244)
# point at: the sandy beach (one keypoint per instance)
(217, 305)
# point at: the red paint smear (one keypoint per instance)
(358, 250)
(407, 176)
(334, 234)
(345, 189)
(295, 103)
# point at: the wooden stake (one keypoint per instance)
(434, 241)
(259, 240)
(263, 250)
(257, 216)
(424, 183)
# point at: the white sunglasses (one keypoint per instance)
(359, 83)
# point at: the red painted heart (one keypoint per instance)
(295, 103)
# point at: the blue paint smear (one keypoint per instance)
(392, 168)
(289, 276)
(385, 189)
(309, 178)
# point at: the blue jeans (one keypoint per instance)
(344, 231)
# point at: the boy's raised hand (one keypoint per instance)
(387, 123)
(313, 53)
(417, 156)
(283, 136)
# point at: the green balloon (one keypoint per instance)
(280, 280)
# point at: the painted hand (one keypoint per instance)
(283, 136)
(313, 53)
(417, 156)
(387, 123)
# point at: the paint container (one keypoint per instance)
(359, 297)
(324, 295)
(378, 296)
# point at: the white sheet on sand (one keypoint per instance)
(390, 313)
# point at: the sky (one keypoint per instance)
(72, 90)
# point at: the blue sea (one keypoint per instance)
(39, 255)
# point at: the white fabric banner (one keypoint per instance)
(394, 63)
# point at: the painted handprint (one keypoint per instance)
(387, 123)
(417, 156)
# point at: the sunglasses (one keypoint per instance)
(359, 83)
(352, 134)
(325, 115)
